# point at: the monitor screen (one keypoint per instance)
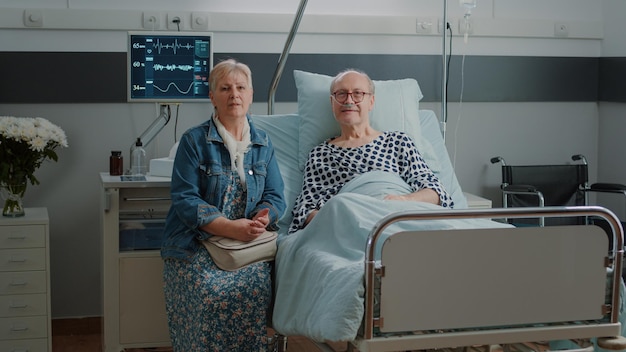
(169, 67)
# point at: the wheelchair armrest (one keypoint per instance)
(608, 187)
(614, 188)
(520, 189)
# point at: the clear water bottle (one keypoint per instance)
(138, 166)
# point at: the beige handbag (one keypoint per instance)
(230, 254)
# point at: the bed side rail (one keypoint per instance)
(616, 253)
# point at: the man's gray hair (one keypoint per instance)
(352, 70)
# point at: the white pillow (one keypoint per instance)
(396, 108)
(283, 132)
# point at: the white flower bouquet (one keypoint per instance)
(25, 143)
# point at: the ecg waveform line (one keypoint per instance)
(159, 67)
(174, 46)
(184, 92)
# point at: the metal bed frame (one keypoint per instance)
(447, 339)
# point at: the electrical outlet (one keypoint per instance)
(199, 21)
(175, 21)
(33, 18)
(440, 25)
(424, 25)
(151, 20)
(561, 30)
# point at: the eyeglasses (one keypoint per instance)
(342, 96)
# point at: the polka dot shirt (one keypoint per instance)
(329, 167)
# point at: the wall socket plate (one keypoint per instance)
(172, 18)
(425, 25)
(33, 18)
(441, 25)
(151, 20)
(199, 21)
(561, 30)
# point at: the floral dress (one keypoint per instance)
(210, 309)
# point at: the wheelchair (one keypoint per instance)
(550, 185)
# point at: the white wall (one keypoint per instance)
(614, 43)
(612, 127)
(520, 132)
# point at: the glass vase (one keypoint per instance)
(12, 195)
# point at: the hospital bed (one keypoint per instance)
(478, 282)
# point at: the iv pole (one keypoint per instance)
(444, 74)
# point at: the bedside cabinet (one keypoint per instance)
(132, 221)
(25, 321)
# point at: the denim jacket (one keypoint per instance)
(201, 167)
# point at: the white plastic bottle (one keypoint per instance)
(138, 166)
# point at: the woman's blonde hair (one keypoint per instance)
(226, 68)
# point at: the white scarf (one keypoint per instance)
(237, 149)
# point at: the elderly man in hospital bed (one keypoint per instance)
(319, 264)
(361, 149)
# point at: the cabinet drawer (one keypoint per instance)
(16, 283)
(23, 328)
(22, 259)
(23, 305)
(23, 236)
(141, 234)
(34, 345)
(145, 202)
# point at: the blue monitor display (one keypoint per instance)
(169, 67)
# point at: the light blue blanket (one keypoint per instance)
(320, 269)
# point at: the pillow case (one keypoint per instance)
(396, 108)
(445, 174)
(283, 132)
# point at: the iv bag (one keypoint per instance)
(468, 4)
